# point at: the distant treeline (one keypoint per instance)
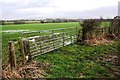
(7, 22)
(57, 20)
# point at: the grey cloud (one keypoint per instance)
(36, 3)
(109, 11)
(11, 7)
(30, 4)
(105, 12)
(11, 12)
(6, 6)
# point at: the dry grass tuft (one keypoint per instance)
(98, 41)
(30, 70)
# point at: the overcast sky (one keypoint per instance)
(28, 9)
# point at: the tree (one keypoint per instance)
(87, 28)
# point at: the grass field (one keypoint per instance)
(44, 26)
(11, 32)
(80, 61)
(73, 61)
(7, 36)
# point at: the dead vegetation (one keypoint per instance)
(30, 70)
(97, 41)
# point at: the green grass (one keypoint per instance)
(31, 27)
(105, 24)
(73, 60)
(70, 61)
(44, 26)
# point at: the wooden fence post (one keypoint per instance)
(12, 57)
(63, 37)
(53, 39)
(102, 31)
(79, 36)
(27, 50)
(21, 42)
(71, 35)
(76, 34)
(40, 39)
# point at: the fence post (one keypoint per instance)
(70, 35)
(40, 39)
(79, 35)
(63, 37)
(12, 57)
(102, 31)
(22, 51)
(53, 39)
(27, 50)
(76, 34)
